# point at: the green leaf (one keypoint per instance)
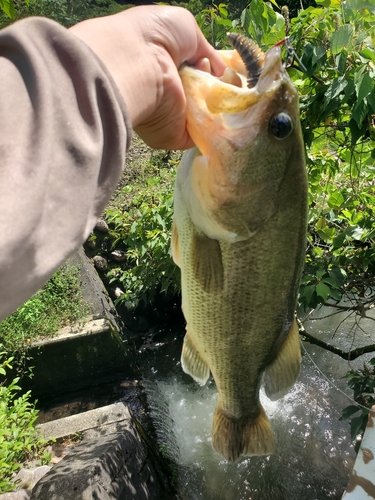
(371, 100)
(367, 54)
(355, 130)
(322, 290)
(337, 86)
(335, 294)
(318, 52)
(341, 59)
(364, 86)
(338, 275)
(341, 38)
(356, 425)
(349, 411)
(8, 7)
(335, 200)
(308, 292)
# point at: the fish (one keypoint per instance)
(239, 238)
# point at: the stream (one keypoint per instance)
(314, 454)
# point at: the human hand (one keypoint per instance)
(143, 47)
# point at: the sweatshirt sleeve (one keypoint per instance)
(64, 132)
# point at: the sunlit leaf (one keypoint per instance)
(341, 38)
(335, 200)
(8, 7)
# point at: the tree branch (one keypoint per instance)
(349, 356)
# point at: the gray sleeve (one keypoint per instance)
(64, 132)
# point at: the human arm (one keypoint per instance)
(64, 128)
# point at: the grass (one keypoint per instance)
(57, 304)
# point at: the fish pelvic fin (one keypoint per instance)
(282, 373)
(175, 245)
(233, 437)
(192, 362)
(208, 263)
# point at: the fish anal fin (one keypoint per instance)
(207, 261)
(192, 362)
(175, 246)
(233, 437)
(282, 373)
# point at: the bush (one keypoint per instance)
(363, 384)
(19, 439)
(142, 228)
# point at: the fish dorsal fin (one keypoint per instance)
(192, 362)
(281, 374)
(175, 245)
(207, 263)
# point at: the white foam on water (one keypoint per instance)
(313, 456)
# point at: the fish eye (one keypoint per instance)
(281, 125)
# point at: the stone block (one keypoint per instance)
(111, 467)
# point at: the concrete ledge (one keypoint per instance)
(98, 419)
(87, 326)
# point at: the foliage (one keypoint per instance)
(335, 79)
(142, 228)
(19, 439)
(65, 12)
(57, 304)
(363, 384)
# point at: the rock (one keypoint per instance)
(110, 467)
(90, 242)
(100, 263)
(16, 495)
(102, 226)
(27, 478)
(118, 255)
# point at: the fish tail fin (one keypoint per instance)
(282, 373)
(233, 437)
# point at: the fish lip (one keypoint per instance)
(273, 72)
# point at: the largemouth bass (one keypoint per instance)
(239, 237)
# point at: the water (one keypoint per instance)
(313, 457)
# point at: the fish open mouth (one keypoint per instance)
(251, 76)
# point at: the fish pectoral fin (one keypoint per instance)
(192, 362)
(175, 246)
(282, 373)
(207, 262)
(233, 437)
